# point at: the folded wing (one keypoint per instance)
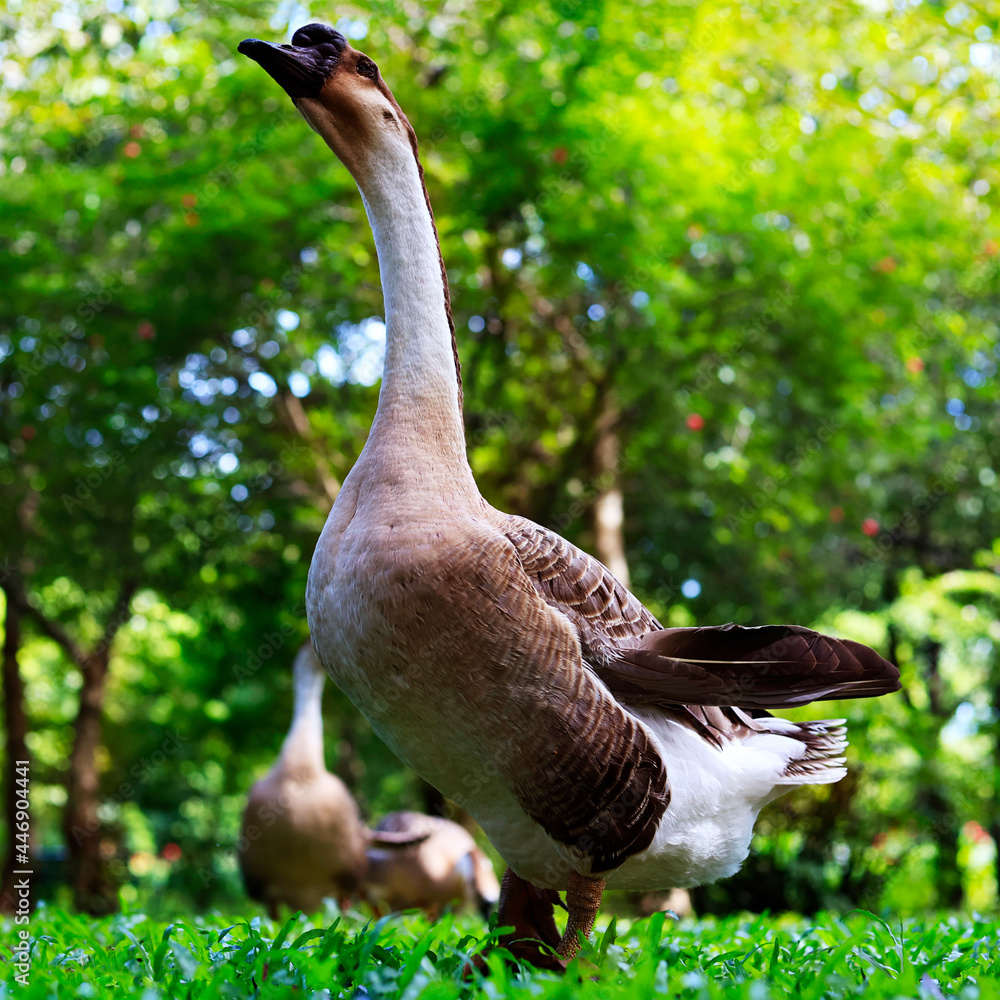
(770, 666)
(642, 663)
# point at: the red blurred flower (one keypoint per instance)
(974, 832)
(171, 852)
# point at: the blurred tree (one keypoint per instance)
(755, 255)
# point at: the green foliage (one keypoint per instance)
(767, 235)
(856, 955)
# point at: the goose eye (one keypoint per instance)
(367, 68)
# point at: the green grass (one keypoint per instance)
(405, 957)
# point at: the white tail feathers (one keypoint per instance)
(823, 761)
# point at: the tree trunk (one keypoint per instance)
(94, 889)
(16, 731)
(932, 799)
(942, 822)
(609, 536)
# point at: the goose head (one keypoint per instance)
(340, 93)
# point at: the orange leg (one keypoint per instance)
(529, 910)
(583, 900)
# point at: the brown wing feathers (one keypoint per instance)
(565, 577)
(769, 666)
(599, 786)
(765, 667)
(582, 767)
(694, 675)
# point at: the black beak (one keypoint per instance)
(304, 66)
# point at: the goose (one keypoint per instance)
(507, 667)
(301, 836)
(448, 867)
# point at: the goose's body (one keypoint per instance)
(507, 667)
(301, 837)
(448, 868)
(485, 731)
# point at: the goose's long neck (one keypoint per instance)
(420, 398)
(302, 750)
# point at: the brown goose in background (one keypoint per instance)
(503, 664)
(447, 868)
(302, 838)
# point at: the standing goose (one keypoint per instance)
(302, 838)
(503, 664)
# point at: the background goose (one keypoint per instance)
(506, 666)
(302, 838)
(447, 868)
